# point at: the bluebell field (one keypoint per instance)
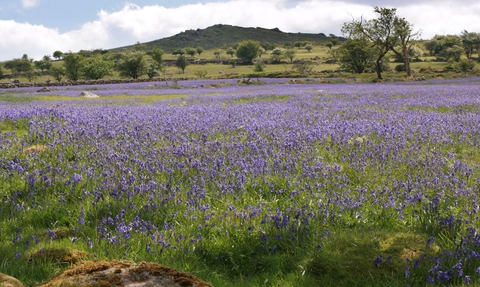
(151, 172)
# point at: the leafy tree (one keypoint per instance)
(132, 64)
(157, 56)
(334, 40)
(180, 52)
(201, 73)
(43, 65)
(259, 66)
(268, 46)
(200, 50)
(290, 54)
(465, 65)
(248, 50)
(404, 32)
(454, 53)
(308, 47)
(1, 71)
(181, 63)
(230, 51)
(379, 31)
(329, 45)
(439, 44)
(277, 54)
(191, 52)
(22, 65)
(356, 54)
(96, 68)
(304, 67)
(471, 42)
(57, 54)
(217, 54)
(58, 73)
(72, 63)
(47, 58)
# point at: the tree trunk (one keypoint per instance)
(378, 67)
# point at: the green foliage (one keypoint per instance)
(230, 51)
(379, 31)
(180, 52)
(217, 54)
(309, 47)
(439, 45)
(277, 54)
(248, 50)
(465, 65)
(96, 68)
(1, 71)
(72, 63)
(43, 65)
(290, 54)
(355, 55)
(57, 54)
(304, 67)
(19, 65)
(181, 63)
(190, 51)
(200, 73)
(471, 42)
(57, 73)
(259, 66)
(200, 50)
(132, 64)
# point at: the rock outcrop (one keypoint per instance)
(8, 281)
(123, 273)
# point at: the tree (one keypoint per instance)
(439, 45)
(277, 55)
(132, 64)
(72, 63)
(309, 47)
(180, 52)
(157, 56)
(290, 54)
(404, 32)
(96, 68)
(22, 65)
(230, 51)
(1, 71)
(200, 50)
(471, 42)
(58, 73)
(181, 63)
(248, 50)
(380, 31)
(355, 54)
(304, 67)
(217, 54)
(43, 65)
(57, 54)
(465, 65)
(329, 45)
(191, 52)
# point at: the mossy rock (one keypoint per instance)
(60, 255)
(8, 281)
(123, 273)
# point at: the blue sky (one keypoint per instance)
(39, 27)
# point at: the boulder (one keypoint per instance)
(8, 281)
(44, 90)
(123, 273)
(90, 95)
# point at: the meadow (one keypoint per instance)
(278, 183)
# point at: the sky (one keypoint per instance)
(40, 27)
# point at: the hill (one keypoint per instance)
(218, 35)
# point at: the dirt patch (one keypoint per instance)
(125, 274)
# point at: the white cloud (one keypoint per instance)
(30, 3)
(133, 23)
